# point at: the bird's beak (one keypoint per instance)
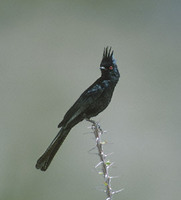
(102, 67)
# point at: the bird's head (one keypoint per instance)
(108, 65)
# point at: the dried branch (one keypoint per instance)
(105, 164)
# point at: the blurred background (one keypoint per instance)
(50, 53)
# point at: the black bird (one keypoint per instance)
(91, 102)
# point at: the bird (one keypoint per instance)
(90, 103)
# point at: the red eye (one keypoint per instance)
(111, 67)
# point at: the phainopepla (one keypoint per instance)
(91, 102)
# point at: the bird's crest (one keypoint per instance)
(108, 58)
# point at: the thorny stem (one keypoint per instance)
(105, 164)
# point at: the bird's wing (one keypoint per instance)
(87, 98)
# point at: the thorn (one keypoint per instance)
(94, 153)
(110, 143)
(111, 164)
(112, 177)
(100, 188)
(98, 164)
(109, 154)
(115, 192)
(88, 133)
(92, 149)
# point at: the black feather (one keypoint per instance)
(108, 59)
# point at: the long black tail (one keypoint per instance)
(44, 161)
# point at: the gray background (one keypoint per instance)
(50, 52)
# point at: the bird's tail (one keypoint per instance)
(44, 161)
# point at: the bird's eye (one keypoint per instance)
(111, 67)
